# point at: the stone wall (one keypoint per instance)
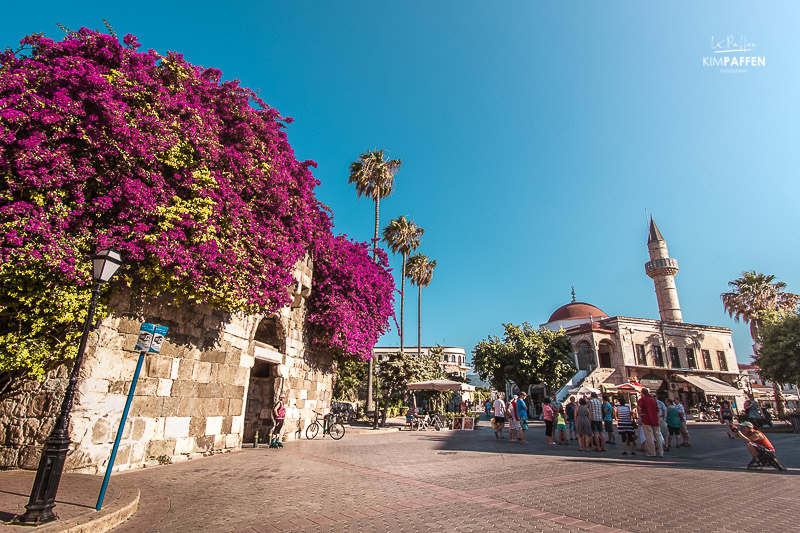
(190, 398)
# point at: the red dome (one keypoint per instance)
(576, 310)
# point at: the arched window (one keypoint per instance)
(270, 332)
(586, 359)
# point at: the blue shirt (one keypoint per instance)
(522, 409)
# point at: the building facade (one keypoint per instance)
(453, 359)
(678, 360)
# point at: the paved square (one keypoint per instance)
(469, 481)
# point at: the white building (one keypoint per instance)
(453, 359)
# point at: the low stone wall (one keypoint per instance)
(190, 398)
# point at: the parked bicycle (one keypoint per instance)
(327, 424)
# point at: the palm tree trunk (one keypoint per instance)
(419, 323)
(372, 359)
(402, 302)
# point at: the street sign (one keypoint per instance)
(158, 338)
(145, 337)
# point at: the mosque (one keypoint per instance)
(691, 362)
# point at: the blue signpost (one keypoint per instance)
(151, 336)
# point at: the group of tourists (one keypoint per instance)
(590, 422)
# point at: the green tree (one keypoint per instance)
(525, 356)
(779, 356)
(420, 272)
(756, 297)
(403, 236)
(399, 369)
(351, 374)
(373, 175)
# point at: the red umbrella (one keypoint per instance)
(630, 387)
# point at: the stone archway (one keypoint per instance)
(265, 382)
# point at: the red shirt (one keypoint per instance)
(759, 438)
(648, 410)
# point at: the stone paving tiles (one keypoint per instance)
(469, 481)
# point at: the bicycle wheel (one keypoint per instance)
(336, 431)
(312, 430)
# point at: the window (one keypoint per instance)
(641, 358)
(674, 358)
(658, 356)
(707, 359)
(723, 363)
(690, 358)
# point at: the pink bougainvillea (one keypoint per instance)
(351, 298)
(190, 177)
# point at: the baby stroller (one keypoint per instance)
(764, 458)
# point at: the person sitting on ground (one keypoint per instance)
(756, 441)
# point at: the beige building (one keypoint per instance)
(453, 359)
(692, 362)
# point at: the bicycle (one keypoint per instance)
(329, 426)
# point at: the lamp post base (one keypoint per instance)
(39, 509)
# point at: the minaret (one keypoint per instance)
(662, 268)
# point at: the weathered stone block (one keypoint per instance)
(204, 444)
(235, 407)
(210, 390)
(159, 367)
(226, 425)
(213, 425)
(233, 392)
(138, 426)
(184, 445)
(184, 389)
(157, 448)
(146, 387)
(147, 406)
(197, 427)
(201, 372)
(164, 387)
(213, 356)
(185, 370)
(171, 407)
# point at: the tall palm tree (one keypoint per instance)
(753, 298)
(420, 272)
(403, 236)
(373, 175)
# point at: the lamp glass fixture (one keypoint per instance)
(105, 264)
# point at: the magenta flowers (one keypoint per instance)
(191, 177)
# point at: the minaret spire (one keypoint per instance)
(662, 269)
(573, 294)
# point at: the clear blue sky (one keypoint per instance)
(533, 134)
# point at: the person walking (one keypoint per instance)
(511, 416)
(673, 420)
(499, 416)
(609, 413)
(569, 410)
(522, 416)
(626, 425)
(549, 421)
(596, 412)
(726, 416)
(662, 419)
(278, 415)
(648, 411)
(684, 430)
(583, 426)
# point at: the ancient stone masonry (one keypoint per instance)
(190, 399)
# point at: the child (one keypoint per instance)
(561, 426)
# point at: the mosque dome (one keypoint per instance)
(576, 310)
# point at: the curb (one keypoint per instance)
(101, 521)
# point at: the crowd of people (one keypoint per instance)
(652, 423)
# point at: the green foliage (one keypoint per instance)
(525, 356)
(779, 357)
(351, 376)
(401, 369)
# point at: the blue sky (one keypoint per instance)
(534, 135)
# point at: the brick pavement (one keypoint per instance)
(468, 481)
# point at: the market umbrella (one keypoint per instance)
(630, 387)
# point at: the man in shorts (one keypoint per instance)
(596, 415)
(569, 410)
(684, 429)
(608, 420)
(522, 416)
(499, 416)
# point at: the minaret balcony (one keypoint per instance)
(666, 266)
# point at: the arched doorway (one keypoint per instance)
(586, 359)
(265, 384)
(604, 351)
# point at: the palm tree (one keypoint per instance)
(402, 235)
(373, 176)
(420, 272)
(753, 298)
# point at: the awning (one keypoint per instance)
(711, 385)
(440, 384)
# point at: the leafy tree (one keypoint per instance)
(755, 298)
(779, 356)
(403, 236)
(399, 369)
(351, 374)
(420, 272)
(525, 356)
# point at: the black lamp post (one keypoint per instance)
(39, 509)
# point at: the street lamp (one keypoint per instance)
(39, 509)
